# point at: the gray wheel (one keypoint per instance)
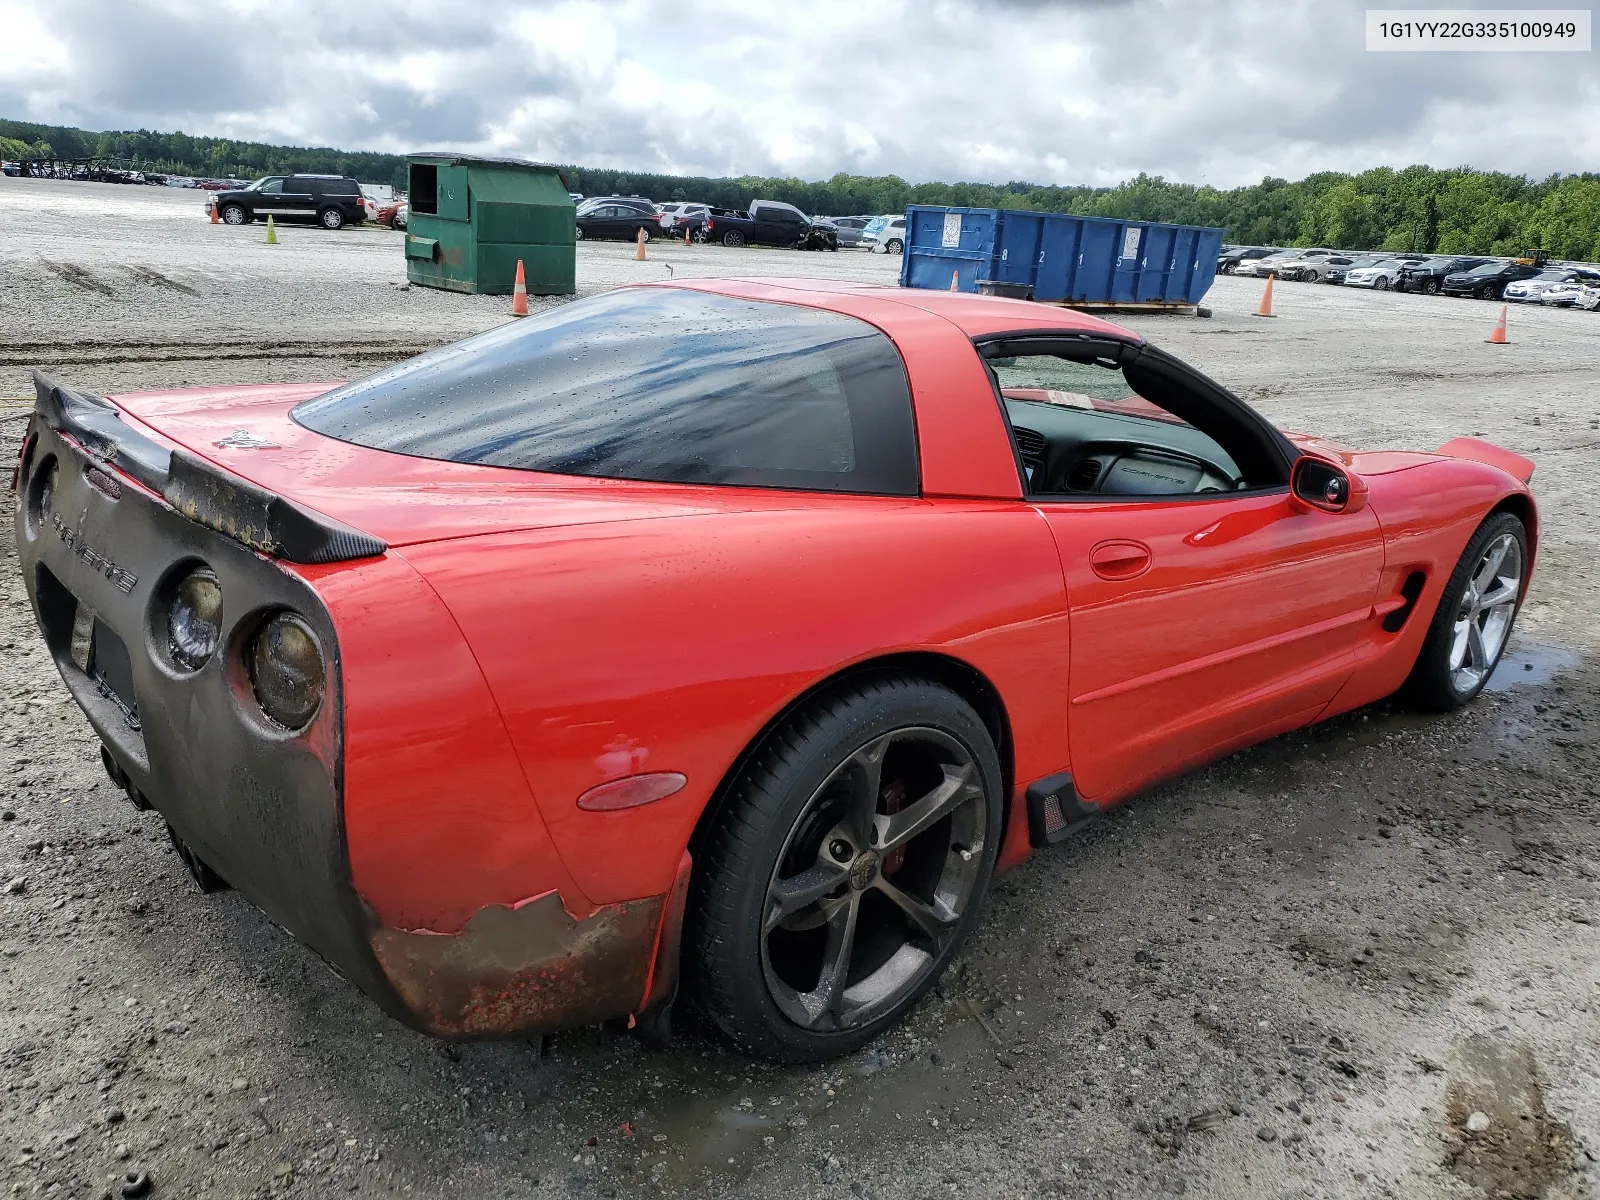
(1381, 284)
(846, 869)
(733, 238)
(234, 214)
(1430, 287)
(894, 246)
(331, 218)
(1474, 618)
(578, 235)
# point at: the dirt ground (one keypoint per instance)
(1356, 961)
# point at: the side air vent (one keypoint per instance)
(1084, 476)
(1030, 443)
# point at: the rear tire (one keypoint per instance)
(894, 246)
(1468, 637)
(733, 238)
(823, 908)
(331, 218)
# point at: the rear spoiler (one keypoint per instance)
(1489, 454)
(200, 490)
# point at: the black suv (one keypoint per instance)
(1428, 277)
(332, 201)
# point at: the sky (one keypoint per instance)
(1047, 91)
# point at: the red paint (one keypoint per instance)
(530, 638)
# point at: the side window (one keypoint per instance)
(275, 186)
(1109, 421)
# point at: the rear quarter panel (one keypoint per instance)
(668, 645)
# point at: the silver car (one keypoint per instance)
(1380, 276)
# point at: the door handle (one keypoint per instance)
(1119, 559)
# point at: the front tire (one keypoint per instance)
(1430, 287)
(1473, 622)
(1381, 284)
(234, 214)
(845, 868)
(1486, 292)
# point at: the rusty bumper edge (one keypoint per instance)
(532, 968)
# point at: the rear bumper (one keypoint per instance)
(263, 806)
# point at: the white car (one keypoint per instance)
(1525, 290)
(886, 235)
(1274, 264)
(1563, 295)
(1380, 276)
(1588, 297)
(690, 212)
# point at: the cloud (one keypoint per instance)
(1053, 91)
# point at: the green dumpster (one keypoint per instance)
(472, 219)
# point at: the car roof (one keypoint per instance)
(975, 316)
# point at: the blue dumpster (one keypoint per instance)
(1060, 259)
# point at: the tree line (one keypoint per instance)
(1452, 211)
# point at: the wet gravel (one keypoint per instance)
(1356, 961)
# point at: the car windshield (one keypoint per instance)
(1487, 269)
(663, 384)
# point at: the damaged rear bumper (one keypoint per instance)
(265, 807)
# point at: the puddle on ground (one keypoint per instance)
(1531, 663)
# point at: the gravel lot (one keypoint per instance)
(1312, 970)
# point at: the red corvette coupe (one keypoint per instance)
(736, 629)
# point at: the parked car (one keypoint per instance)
(1336, 272)
(1314, 266)
(1489, 281)
(331, 201)
(680, 213)
(849, 229)
(639, 202)
(618, 219)
(886, 234)
(1273, 264)
(1534, 287)
(771, 223)
(1429, 275)
(402, 215)
(1381, 275)
(435, 741)
(1588, 297)
(10, 168)
(1562, 295)
(388, 214)
(1228, 261)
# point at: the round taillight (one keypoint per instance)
(194, 619)
(286, 670)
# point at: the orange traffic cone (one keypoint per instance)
(1498, 337)
(519, 294)
(214, 220)
(1266, 300)
(638, 250)
(686, 228)
(955, 281)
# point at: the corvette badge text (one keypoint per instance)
(124, 580)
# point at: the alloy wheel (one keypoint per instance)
(1483, 618)
(874, 879)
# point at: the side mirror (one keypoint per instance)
(1325, 486)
